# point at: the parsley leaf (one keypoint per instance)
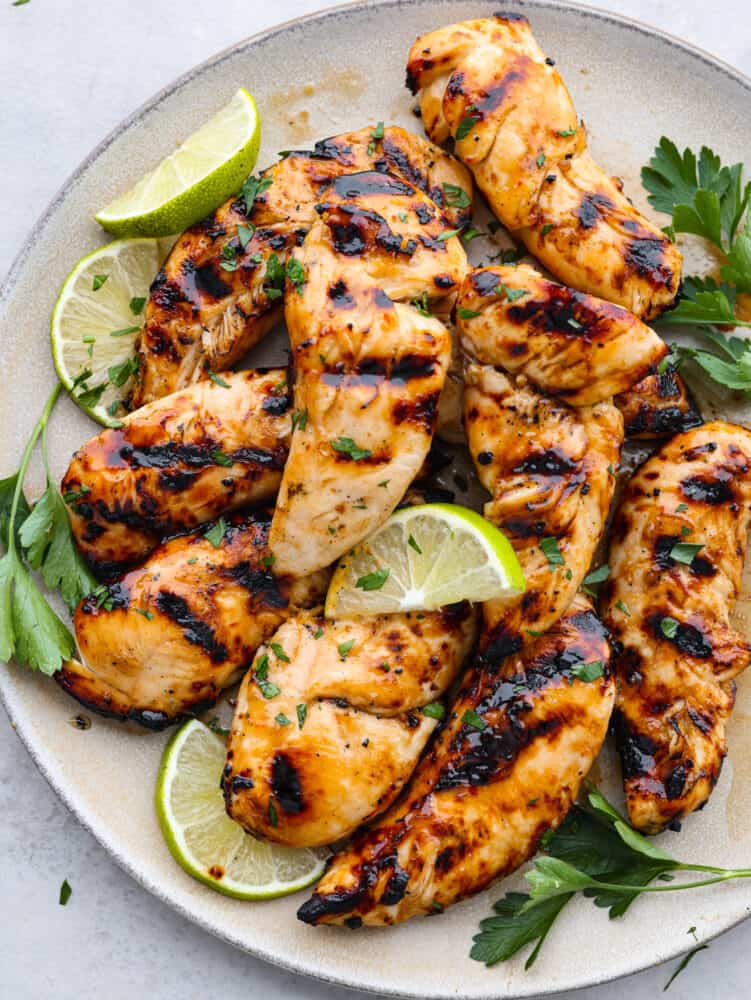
(302, 714)
(345, 648)
(475, 721)
(467, 123)
(685, 552)
(456, 197)
(65, 893)
(515, 926)
(463, 313)
(588, 672)
(251, 188)
(215, 534)
(136, 305)
(374, 580)
(552, 552)
(279, 652)
(434, 710)
(346, 446)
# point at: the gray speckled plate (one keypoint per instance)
(314, 77)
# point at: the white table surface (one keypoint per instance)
(70, 70)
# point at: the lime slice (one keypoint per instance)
(96, 320)
(424, 558)
(205, 841)
(191, 182)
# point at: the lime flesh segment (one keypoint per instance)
(203, 171)
(435, 554)
(104, 294)
(202, 838)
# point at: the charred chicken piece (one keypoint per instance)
(329, 722)
(219, 291)
(370, 362)
(505, 768)
(487, 84)
(676, 556)
(167, 638)
(550, 470)
(572, 346)
(177, 463)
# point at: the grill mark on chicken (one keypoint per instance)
(487, 84)
(194, 629)
(172, 634)
(178, 462)
(362, 731)
(368, 377)
(549, 469)
(570, 345)
(479, 802)
(202, 317)
(658, 406)
(677, 653)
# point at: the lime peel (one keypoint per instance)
(205, 842)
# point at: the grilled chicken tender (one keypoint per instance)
(369, 367)
(214, 299)
(668, 613)
(176, 463)
(487, 84)
(550, 470)
(658, 406)
(570, 345)
(506, 767)
(328, 725)
(167, 638)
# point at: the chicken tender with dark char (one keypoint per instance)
(370, 362)
(165, 640)
(177, 463)
(572, 346)
(507, 766)
(215, 297)
(329, 722)
(550, 470)
(676, 555)
(487, 84)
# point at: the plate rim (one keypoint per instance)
(6, 287)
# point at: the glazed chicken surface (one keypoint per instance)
(550, 470)
(658, 406)
(487, 84)
(570, 345)
(167, 638)
(676, 555)
(369, 364)
(177, 463)
(328, 725)
(522, 734)
(215, 298)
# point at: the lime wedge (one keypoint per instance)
(202, 838)
(424, 558)
(95, 322)
(191, 182)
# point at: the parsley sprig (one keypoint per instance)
(594, 852)
(38, 539)
(708, 199)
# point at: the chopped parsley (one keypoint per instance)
(455, 196)
(220, 458)
(279, 652)
(215, 534)
(245, 234)
(685, 552)
(65, 890)
(463, 313)
(345, 648)
(252, 187)
(99, 280)
(296, 274)
(447, 234)
(511, 294)
(374, 580)
(346, 446)
(435, 710)
(552, 552)
(217, 379)
(273, 815)
(588, 671)
(136, 305)
(281, 719)
(299, 420)
(302, 714)
(467, 123)
(669, 627)
(375, 136)
(471, 718)
(413, 545)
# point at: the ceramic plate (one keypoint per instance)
(320, 75)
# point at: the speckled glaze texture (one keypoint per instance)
(313, 78)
